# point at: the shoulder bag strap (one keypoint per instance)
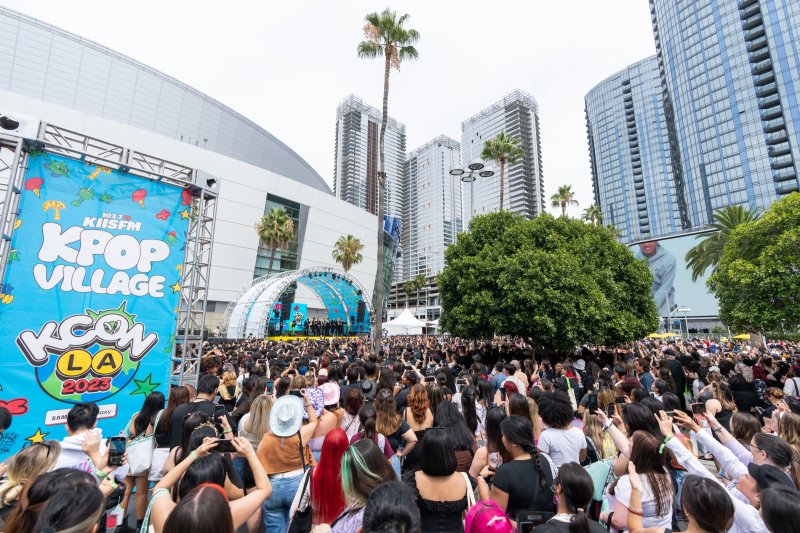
(796, 391)
(158, 420)
(300, 445)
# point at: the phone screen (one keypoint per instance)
(611, 409)
(225, 446)
(592, 404)
(219, 411)
(698, 408)
(619, 399)
(116, 449)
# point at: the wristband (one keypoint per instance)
(99, 473)
(664, 445)
(227, 431)
(193, 455)
(637, 512)
(607, 425)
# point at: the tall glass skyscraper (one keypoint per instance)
(630, 154)
(433, 215)
(357, 163)
(730, 75)
(517, 113)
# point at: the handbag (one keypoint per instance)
(140, 450)
(160, 456)
(301, 520)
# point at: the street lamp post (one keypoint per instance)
(468, 176)
(685, 310)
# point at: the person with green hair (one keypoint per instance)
(364, 467)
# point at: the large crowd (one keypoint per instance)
(435, 434)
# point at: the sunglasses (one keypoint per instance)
(46, 445)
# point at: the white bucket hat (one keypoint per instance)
(286, 416)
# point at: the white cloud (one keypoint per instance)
(286, 65)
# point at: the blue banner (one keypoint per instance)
(88, 303)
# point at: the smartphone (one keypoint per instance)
(225, 446)
(270, 384)
(219, 411)
(698, 408)
(592, 404)
(528, 520)
(116, 449)
(619, 399)
(429, 379)
(611, 409)
(670, 413)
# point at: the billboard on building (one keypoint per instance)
(672, 281)
(91, 292)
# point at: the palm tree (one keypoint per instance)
(347, 251)
(420, 282)
(593, 214)
(385, 35)
(708, 252)
(409, 288)
(503, 149)
(564, 198)
(275, 230)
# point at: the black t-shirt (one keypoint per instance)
(397, 437)
(176, 421)
(558, 526)
(402, 398)
(520, 480)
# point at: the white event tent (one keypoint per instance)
(404, 324)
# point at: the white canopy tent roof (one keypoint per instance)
(404, 324)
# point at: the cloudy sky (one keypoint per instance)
(286, 65)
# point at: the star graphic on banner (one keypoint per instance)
(144, 386)
(37, 437)
(176, 288)
(184, 214)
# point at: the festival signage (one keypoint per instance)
(89, 300)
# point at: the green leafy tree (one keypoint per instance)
(385, 35)
(275, 230)
(757, 279)
(504, 149)
(707, 253)
(347, 251)
(593, 214)
(557, 280)
(564, 198)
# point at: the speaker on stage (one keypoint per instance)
(360, 311)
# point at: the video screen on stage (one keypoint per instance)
(672, 281)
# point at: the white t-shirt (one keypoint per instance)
(622, 493)
(562, 445)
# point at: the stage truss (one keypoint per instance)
(188, 346)
(248, 314)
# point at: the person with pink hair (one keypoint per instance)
(487, 517)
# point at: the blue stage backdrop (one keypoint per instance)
(88, 306)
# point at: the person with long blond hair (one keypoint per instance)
(23, 467)
(255, 424)
(536, 420)
(228, 390)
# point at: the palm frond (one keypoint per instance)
(368, 49)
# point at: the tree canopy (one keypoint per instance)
(557, 280)
(757, 280)
(707, 253)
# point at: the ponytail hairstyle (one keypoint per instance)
(519, 430)
(366, 417)
(722, 392)
(779, 454)
(577, 490)
(468, 408)
(28, 463)
(494, 437)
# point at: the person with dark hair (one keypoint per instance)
(442, 492)
(706, 506)
(560, 440)
(5, 419)
(81, 421)
(659, 388)
(397, 430)
(464, 443)
(492, 453)
(469, 409)
(72, 511)
(38, 491)
(194, 517)
(574, 489)
(353, 400)
(366, 417)
(391, 508)
(525, 482)
(780, 507)
(206, 390)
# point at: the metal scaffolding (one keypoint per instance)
(188, 340)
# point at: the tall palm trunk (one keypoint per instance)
(502, 180)
(563, 208)
(271, 260)
(376, 344)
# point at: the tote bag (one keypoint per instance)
(140, 450)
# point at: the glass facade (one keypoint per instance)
(630, 154)
(289, 257)
(357, 160)
(517, 114)
(433, 215)
(730, 71)
(44, 62)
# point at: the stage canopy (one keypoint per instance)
(341, 294)
(404, 324)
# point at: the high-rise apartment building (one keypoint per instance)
(630, 154)
(357, 157)
(433, 206)
(729, 75)
(517, 114)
